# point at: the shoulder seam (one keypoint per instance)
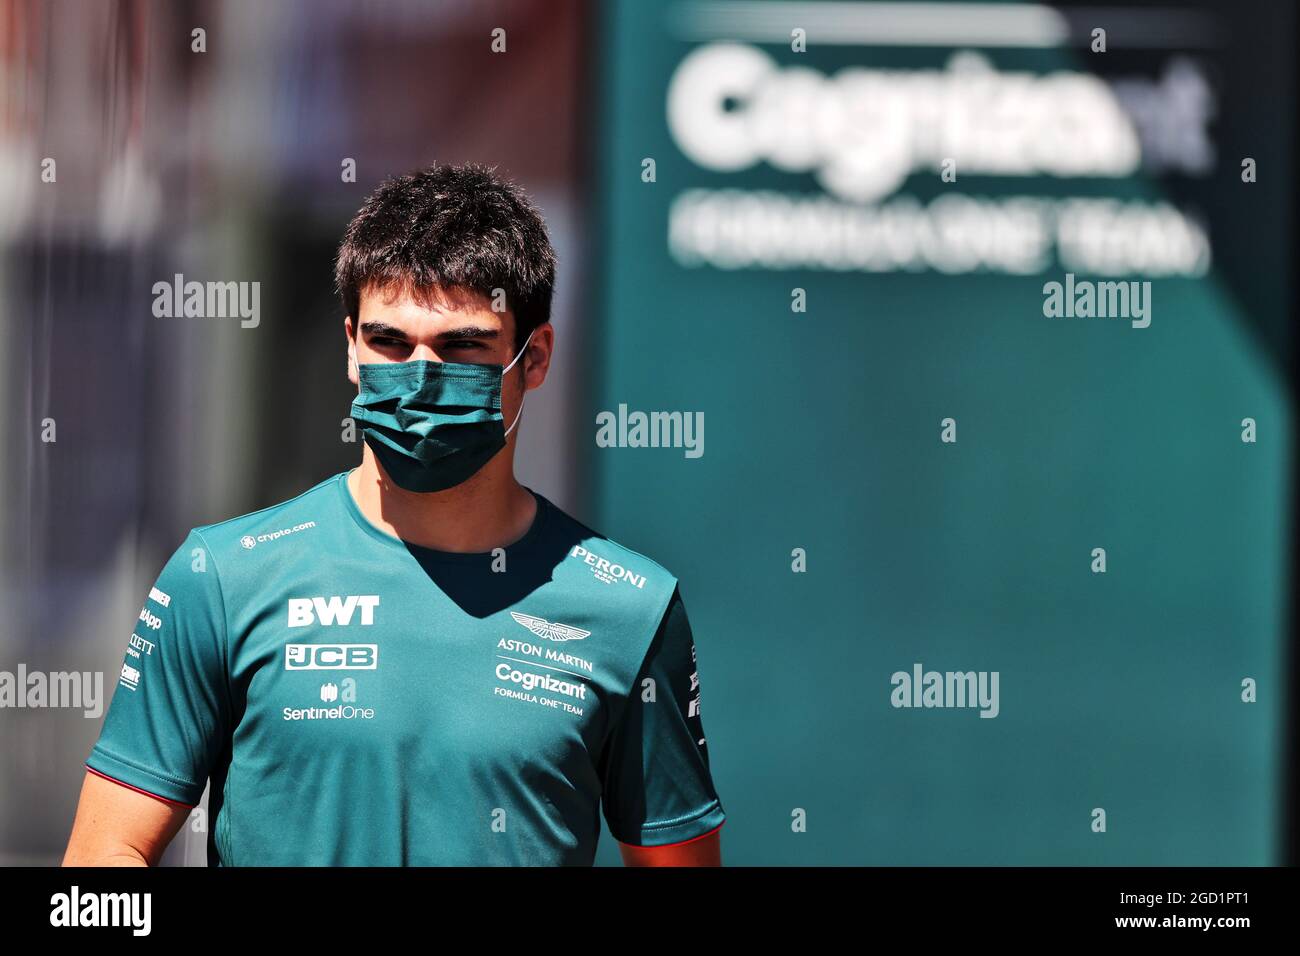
(278, 504)
(225, 624)
(600, 536)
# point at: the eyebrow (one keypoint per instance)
(464, 332)
(382, 328)
(469, 332)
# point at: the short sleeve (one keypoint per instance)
(657, 785)
(170, 715)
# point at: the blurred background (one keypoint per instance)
(753, 221)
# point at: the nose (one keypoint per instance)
(425, 351)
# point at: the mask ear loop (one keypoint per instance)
(503, 376)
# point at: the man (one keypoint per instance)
(420, 661)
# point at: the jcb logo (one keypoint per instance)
(331, 657)
(332, 610)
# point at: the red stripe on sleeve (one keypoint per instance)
(175, 803)
(664, 846)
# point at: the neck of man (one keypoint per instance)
(488, 510)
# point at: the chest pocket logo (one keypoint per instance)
(550, 630)
(332, 611)
(331, 657)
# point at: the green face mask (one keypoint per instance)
(433, 424)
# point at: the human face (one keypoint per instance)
(452, 326)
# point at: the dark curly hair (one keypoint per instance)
(455, 228)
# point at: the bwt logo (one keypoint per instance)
(331, 657)
(333, 610)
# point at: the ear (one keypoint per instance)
(537, 357)
(352, 351)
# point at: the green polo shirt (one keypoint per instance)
(358, 700)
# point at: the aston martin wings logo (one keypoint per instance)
(549, 630)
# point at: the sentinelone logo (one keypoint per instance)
(74, 909)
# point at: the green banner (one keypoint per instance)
(922, 365)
